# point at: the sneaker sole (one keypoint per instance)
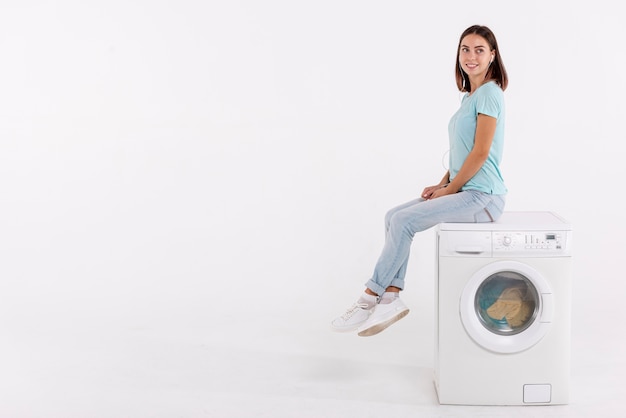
(381, 326)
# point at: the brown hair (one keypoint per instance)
(496, 70)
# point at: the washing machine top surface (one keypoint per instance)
(514, 221)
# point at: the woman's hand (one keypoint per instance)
(442, 191)
(432, 192)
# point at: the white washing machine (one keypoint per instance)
(503, 301)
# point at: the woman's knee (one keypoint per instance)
(389, 215)
(399, 220)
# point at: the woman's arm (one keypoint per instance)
(485, 130)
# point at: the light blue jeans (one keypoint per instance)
(404, 221)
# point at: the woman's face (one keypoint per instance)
(475, 55)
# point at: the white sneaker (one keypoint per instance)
(355, 316)
(383, 315)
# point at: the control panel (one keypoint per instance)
(530, 241)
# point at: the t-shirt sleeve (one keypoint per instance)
(489, 101)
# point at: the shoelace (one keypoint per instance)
(352, 310)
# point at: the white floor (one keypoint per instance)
(241, 364)
(125, 343)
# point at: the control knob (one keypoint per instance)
(507, 240)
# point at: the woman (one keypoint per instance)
(471, 191)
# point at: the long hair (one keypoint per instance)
(496, 70)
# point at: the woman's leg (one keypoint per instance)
(403, 222)
(469, 206)
(390, 214)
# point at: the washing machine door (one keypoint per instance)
(506, 307)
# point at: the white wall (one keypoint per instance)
(187, 164)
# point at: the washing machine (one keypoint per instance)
(503, 302)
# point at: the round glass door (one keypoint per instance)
(506, 307)
(506, 303)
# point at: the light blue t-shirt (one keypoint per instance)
(488, 99)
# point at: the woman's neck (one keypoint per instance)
(476, 85)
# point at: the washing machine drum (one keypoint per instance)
(506, 307)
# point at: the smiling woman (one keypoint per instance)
(472, 190)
